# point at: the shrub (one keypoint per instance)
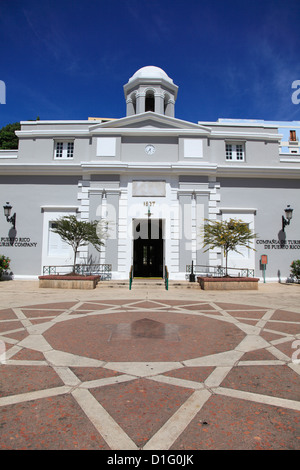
(295, 268)
(4, 264)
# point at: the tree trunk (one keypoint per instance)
(226, 263)
(74, 261)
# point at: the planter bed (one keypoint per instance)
(68, 281)
(228, 283)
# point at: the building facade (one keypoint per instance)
(155, 179)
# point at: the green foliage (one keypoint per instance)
(227, 235)
(295, 269)
(79, 233)
(8, 138)
(4, 264)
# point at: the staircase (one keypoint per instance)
(147, 283)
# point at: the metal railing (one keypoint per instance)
(166, 278)
(217, 271)
(130, 277)
(103, 270)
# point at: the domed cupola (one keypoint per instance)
(150, 89)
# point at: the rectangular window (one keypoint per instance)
(235, 152)
(293, 137)
(228, 152)
(59, 150)
(64, 150)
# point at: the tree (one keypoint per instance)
(8, 138)
(79, 233)
(227, 235)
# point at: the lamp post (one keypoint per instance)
(7, 211)
(288, 217)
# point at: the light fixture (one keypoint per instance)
(288, 217)
(7, 211)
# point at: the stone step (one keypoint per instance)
(113, 284)
(147, 284)
(183, 285)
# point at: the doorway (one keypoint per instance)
(148, 248)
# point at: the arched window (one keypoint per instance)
(149, 101)
(133, 98)
(166, 102)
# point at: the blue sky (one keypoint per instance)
(69, 59)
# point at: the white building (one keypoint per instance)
(155, 178)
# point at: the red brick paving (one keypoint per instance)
(290, 328)
(198, 374)
(258, 355)
(29, 355)
(40, 313)
(245, 314)
(16, 379)
(93, 373)
(277, 381)
(230, 424)
(142, 401)
(55, 423)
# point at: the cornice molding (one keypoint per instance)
(259, 171)
(203, 168)
(172, 131)
(59, 208)
(233, 210)
(238, 136)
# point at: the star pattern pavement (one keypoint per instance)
(152, 375)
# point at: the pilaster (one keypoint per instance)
(112, 217)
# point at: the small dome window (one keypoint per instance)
(150, 102)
